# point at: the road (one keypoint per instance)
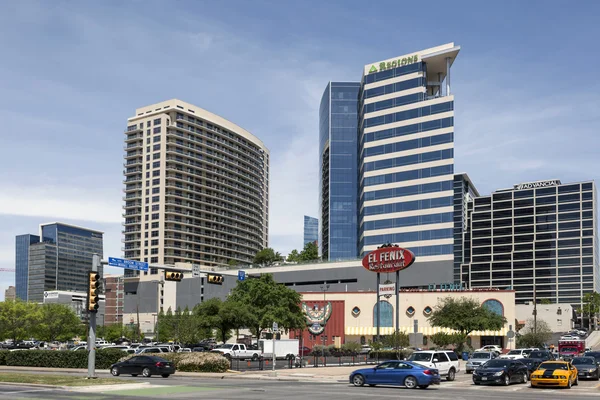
(229, 389)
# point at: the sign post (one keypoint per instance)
(241, 275)
(92, 331)
(275, 330)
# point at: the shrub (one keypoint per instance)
(193, 362)
(61, 358)
(3, 354)
(390, 354)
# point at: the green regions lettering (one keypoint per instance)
(384, 66)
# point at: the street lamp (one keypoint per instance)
(324, 288)
(155, 328)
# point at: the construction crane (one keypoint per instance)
(7, 270)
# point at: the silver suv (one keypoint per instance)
(477, 359)
(445, 361)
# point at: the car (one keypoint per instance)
(365, 349)
(501, 371)
(595, 354)
(587, 367)
(145, 365)
(304, 351)
(543, 355)
(401, 373)
(531, 364)
(199, 350)
(146, 350)
(555, 374)
(445, 361)
(569, 337)
(518, 354)
(582, 332)
(478, 358)
(491, 347)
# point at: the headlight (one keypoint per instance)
(499, 373)
(475, 372)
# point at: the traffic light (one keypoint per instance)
(93, 292)
(214, 279)
(173, 276)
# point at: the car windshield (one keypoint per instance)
(538, 354)
(480, 356)
(584, 361)
(497, 363)
(554, 366)
(420, 357)
(529, 362)
(568, 350)
(513, 352)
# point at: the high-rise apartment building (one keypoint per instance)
(338, 167)
(406, 153)
(196, 188)
(10, 293)
(60, 260)
(22, 244)
(311, 230)
(539, 238)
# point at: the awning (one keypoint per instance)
(426, 331)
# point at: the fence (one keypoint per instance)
(302, 362)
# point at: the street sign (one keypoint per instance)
(510, 334)
(195, 270)
(275, 327)
(241, 275)
(128, 264)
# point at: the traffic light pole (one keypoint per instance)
(92, 332)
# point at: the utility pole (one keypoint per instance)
(534, 312)
(92, 329)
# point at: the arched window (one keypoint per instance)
(494, 306)
(387, 314)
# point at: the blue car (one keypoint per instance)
(401, 373)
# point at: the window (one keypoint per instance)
(156, 121)
(441, 357)
(156, 147)
(154, 233)
(155, 199)
(156, 156)
(155, 216)
(156, 173)
(148, 124)
(155, 190)
(154, 251)
(156, 181)
(156, 139)
(155, 207)
(154, 242)
(153, 260)
(386, 314)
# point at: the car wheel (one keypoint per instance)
(358, 380)
(114, 371)
(146, 372)
(524, 378)
(569, 384)
(597, 375)
(165, 375)
(506, 381)
(423, 386)
(451, 375)
(576, 382)
(254, 357)
(134, 375)
(410, 382)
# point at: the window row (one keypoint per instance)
(394, 72)
(408, 206)
(409, 236)
(409, 145)
(409, 129)
(409, 160)
(516, 230)
(394, 87)
(499, 215)
(395, 102)
(409, 175)
(409, 114)
(408, 190)
(548, 243)
(409, 221)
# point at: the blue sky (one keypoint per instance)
(527, 96)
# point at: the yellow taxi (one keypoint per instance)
(554, 374)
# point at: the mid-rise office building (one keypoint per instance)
(10, 293)
(22, 244)
(539, 238)
(406, 153)
(77, 301)
(338, 167)
(60, 260)
(114, 292)
(196, 188)
(311, 230)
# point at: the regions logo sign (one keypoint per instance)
(388, 259)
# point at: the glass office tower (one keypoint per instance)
(22, 244)
(311, 230)
(338, 120)
(539, 238)
(406, 173)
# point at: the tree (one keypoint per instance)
(110, 333)
(310, 252)
(232, 263)
(266, 301)
(590, 307)
(534, 334)
(164, 325)
(465, 315)
(56, 322)
(397, 340)
(443, 339)
(294, 256)
(545, 301)
(223, 316)
(18, 319)
(267, 257)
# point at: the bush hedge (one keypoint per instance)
(59, 358)
(193, 362)
(390, 354)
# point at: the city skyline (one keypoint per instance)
(518, 95)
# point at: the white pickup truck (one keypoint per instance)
(237, 350)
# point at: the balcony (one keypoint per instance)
(132, 137)
(131, 154)
(132, 179)
(135, 204)
(132, 146)
(133, 196)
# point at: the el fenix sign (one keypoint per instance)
(388, 259)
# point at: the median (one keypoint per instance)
(56, 380)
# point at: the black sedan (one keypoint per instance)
(501, 371)
(587, 367)
(531, 364)
(145, 365)
(543, 355)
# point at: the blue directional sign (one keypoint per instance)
(241, 275)
(129, 264)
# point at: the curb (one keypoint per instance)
(35, 385)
